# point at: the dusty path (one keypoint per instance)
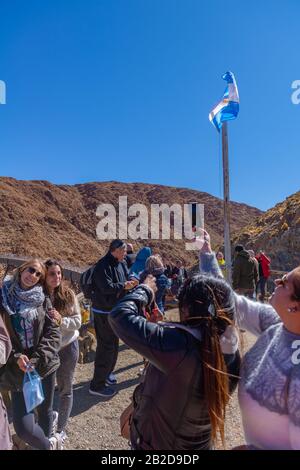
(95, 424)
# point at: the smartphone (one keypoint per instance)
(194, 214)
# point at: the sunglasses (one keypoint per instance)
(34, 271)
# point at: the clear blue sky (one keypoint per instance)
(120, 90)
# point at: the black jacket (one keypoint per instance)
(109, 279)
(44, 354)
(170, 412)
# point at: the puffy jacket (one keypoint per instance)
(44, 354)
(265, 264)
(109, 279)
(162, 284)
(170, 411)
(244, 274)
(140, 261)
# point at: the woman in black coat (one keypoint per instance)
(193, 365)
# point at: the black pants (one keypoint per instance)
(35, 434)
(261, 285)
(106, 352)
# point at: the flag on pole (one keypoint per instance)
(228, 108)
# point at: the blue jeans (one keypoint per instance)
(35, 434)
(64, 377)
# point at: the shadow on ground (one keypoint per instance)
(83, 401)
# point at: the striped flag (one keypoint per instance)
(228, 108)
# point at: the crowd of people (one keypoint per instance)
(199, 356)
(250, 272)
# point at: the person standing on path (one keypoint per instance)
(66, 312)
(110, 283)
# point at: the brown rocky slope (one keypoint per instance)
(43, 219)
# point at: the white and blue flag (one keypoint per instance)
(228, 108)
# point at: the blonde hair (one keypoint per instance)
(16, 277)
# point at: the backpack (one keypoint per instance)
(86, 282)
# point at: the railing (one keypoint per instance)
(72, 274)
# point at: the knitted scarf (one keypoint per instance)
(22, 306)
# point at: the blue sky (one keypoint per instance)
(121, 90)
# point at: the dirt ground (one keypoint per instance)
(94, 423)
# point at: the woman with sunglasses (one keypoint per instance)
(35, 339)
(66, 312)
(269, 389)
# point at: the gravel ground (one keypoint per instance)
(94, 423)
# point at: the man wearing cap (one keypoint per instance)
(244, 273)
(110, 283)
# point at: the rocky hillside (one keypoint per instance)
(43, 219)
(277, 232)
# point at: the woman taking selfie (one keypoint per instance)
(35, 339)
(66, 312)
(193, 365)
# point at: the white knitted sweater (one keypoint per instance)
(269, 388)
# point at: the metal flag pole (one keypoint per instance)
(227, 244)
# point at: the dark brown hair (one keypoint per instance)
(296, 285)
(63, 295)
(208, 303)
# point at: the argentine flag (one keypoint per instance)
(228, 108)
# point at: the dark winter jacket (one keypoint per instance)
(109, 279)
(140, 261)
(244, 274)
(170, 411)
(43, 355)
(162, 284)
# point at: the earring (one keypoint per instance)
(291, 310)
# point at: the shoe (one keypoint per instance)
(111, 379)
(105, 392)
(56, 442)
(63, 436)
(54, 423)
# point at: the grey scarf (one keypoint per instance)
(21, 302)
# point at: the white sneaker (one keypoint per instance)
(56, 442)
(111, 379)
(54, 423)
(63, 436)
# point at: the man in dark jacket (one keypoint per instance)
(244, 274)
(110, 283)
